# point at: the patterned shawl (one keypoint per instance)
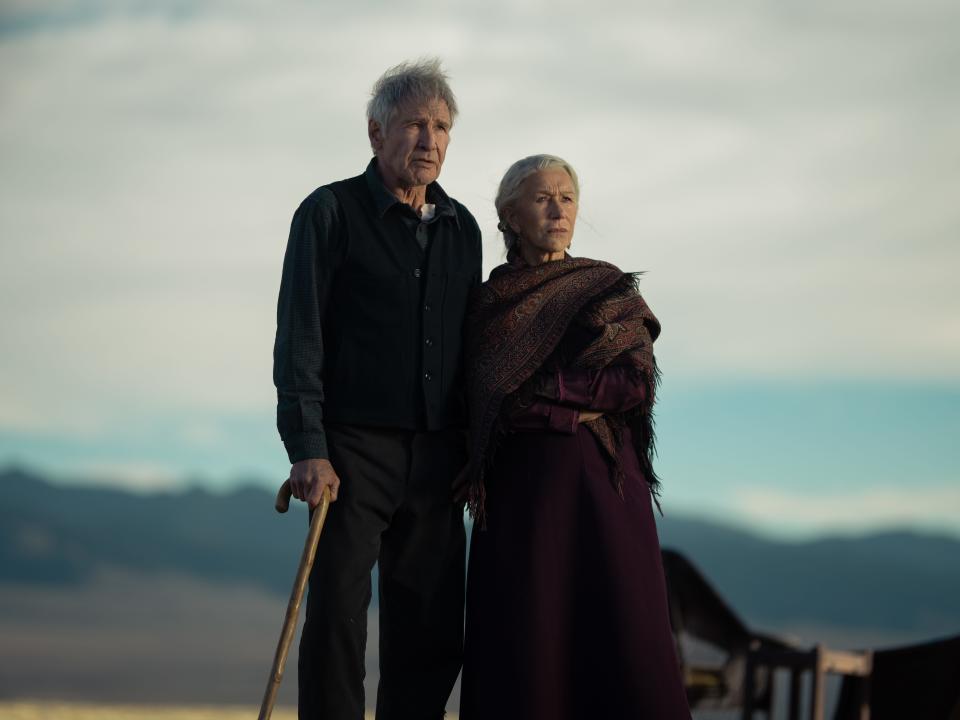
(515, 324)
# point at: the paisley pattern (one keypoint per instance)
(515, 323)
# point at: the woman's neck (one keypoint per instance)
(534, 256)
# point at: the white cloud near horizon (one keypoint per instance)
(788, 177)
(139, 477)
(790, 513)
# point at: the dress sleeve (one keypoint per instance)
(614, 388)
(544, 415)
(312, 256)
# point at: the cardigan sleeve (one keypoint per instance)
(312, 256)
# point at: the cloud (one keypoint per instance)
(787, 176)
(792, 512)
(136, 476)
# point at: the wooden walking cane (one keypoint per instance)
(296, 596)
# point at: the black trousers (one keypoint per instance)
(394, 505)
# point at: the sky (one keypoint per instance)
(787, 175)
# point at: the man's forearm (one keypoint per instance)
(306, 446)
(298, 348)
(300, 423)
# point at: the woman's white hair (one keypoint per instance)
(509, 191)
(407, 82)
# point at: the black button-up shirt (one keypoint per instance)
(370, 314)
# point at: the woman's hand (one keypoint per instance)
(588, 415)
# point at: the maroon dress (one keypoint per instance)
(566, 601)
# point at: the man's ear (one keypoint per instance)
(375, 133)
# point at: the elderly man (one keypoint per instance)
(367, 364)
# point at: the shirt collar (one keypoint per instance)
(383, 199)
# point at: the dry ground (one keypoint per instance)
(91, 711)
(24, 710)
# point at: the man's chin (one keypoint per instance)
(424, 176)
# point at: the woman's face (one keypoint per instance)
(544, 215)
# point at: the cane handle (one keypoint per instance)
(282, 503)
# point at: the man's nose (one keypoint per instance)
(428, 138)
(555, 209)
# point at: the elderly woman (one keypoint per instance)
(566, 602)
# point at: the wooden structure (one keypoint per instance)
(740, 673)
(728, 665)
(818, 661)
(698, 613)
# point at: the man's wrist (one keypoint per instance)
(306, 446)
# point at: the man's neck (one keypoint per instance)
(414, 196)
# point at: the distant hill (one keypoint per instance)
(900, 581)
(56, 535)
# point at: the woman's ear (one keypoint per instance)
(510, 219)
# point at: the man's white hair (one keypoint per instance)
(408, 82)
(509, 190)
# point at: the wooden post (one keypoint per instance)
(864, 684)
(816, 684)
(819, 661)
(794, 700)
(748, 682)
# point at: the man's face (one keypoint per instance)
(411, 149)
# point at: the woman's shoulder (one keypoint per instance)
(569, 263)
(499, 271)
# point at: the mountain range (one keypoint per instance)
(59, 534)
(227, 561)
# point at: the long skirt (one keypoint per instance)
(566, 600)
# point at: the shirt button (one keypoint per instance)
(428, 307)
(416, 273)
(428, 376)
(429, 342)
